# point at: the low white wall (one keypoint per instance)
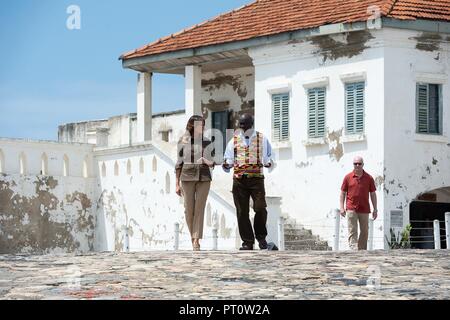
(77, 155)
(46, 213)
(144, 203)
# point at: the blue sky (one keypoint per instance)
(50, 75)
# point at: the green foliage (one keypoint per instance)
(400, 240)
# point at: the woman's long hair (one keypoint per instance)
(191, 123)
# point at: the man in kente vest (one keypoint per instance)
(248, 152)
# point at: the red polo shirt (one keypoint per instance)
(358, 190)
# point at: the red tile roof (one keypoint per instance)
(269, 17)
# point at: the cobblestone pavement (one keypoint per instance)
(397, 274)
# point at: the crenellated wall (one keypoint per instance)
(137, 203)
(47, 202)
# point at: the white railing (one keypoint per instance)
(447, 229)
(337, 227)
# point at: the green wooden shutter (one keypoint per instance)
(316, 112)
(280, 117)
(422, 108)
(359, 107)
(354, 108)
(276, 117)
(285, 117)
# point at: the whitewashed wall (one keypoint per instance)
(145, 203)
(76, 153)
(46, 213)
(414, 163)
(310, 173)
(176, 123)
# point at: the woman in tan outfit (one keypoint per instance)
(195, 158)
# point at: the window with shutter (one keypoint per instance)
(428, 108)
(354, 108)
(280, 117)
(316, 112)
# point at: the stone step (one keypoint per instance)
(298, 238)
(297, 231)
(306, 241)
(299, 234)
(295, 237)
(307, 248)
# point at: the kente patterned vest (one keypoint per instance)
(247, 160)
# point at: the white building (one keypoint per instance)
(324, 83)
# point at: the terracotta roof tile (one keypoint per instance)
(269, 17)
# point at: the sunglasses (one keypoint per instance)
(357, 164)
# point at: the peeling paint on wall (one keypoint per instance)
(379, 180)
(221, 80)
(337, 150)
(40, 221)
(428, 41)
(302, 164)
(238, 83)
(329, 48)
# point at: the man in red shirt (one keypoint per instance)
(356, 188)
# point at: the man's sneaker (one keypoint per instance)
(263, 244)
(246, 246)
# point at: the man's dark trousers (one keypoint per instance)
(243, 189)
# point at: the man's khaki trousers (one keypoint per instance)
(195, 194)
(353, 218)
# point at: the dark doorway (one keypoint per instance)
(220, 122)
(421, 216)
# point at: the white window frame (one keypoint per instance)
(355, 111)
(316, 118)
(276, 89)
(283, 118)
(348, 78)
(431, 78)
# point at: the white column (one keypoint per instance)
(215, 238)
(337, 228)
(176, 236)
(370, 240)
(144, 107)
(281, 233)
(193, 88)
(274, 212)
(447, 229)
(437, 234)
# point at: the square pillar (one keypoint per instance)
(193, 90)
(144, 107)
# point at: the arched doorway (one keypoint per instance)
(427, 207)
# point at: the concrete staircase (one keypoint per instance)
(298, 238)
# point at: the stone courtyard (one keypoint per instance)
(284, 275)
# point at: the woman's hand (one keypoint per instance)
(203, 160)
(178, 189)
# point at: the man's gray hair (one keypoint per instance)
(358, 158)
